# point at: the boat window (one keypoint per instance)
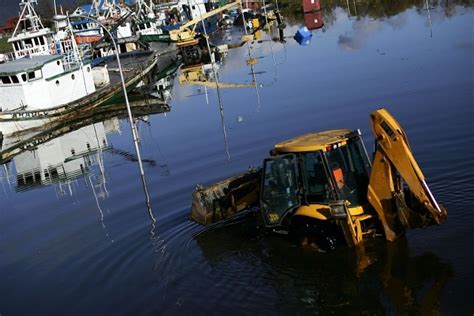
(5, 79)
(35, 41)
(54, 173)
(23, 77)
(28, 42)
(15, 79)
(42, 41)
(31, 75)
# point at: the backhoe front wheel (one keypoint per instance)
(315, 234)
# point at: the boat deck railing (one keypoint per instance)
(29, 51)
(61, 47)
(70, 54)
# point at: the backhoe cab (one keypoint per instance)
(322, 186)
(321, 179)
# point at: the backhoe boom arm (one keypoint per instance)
(394, 161)
(187, 30)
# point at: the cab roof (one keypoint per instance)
(313, 141)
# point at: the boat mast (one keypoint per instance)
(28, 17)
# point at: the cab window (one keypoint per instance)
(280, 188)
(349, 168)
(316, 183)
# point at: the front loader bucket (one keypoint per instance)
(225, 198)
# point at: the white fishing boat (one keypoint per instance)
(114, 15)
(45, 79)
(41, 82)
(147, 23)
(43, 70)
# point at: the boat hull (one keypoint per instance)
(152, 38)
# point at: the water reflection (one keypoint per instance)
(397, 281)
(60, 155)
(373, 9)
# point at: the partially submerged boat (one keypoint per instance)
(46, 79)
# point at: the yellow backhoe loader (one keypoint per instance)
(186, 34)
(190, 45)
(323, 188)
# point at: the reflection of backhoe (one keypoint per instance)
(323, 186)
(195, 75)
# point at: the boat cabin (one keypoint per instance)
(40, 82)
(34, 44)
(30, 37)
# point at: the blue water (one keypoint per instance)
(87, 245)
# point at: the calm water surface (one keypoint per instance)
(87, 245)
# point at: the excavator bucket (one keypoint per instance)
(226, 198)
(394, 164)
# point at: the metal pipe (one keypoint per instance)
(216, 78)
(130, 117)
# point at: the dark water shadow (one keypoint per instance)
(307, 281)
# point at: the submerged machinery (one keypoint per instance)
(323, 188)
